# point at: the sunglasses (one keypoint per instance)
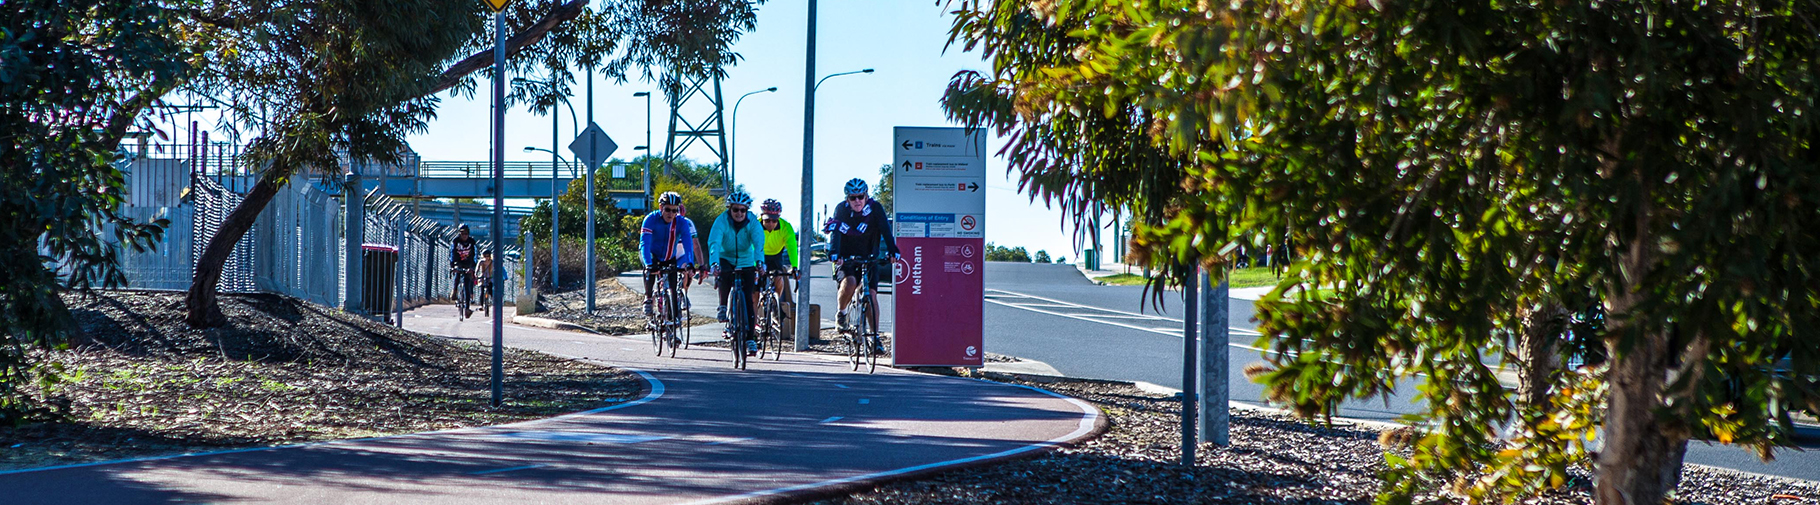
(671, 210)
(856, 197)
(736, 209)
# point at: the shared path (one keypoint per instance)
(702, 432)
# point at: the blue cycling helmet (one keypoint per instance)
(738, 197)
(856, 186)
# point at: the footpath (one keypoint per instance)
(702, 433)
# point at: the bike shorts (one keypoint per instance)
(748, 275)
(777, 262)
(851, 268)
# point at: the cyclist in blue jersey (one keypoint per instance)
(665, 237)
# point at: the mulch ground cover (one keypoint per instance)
(281, 371)
(618, 310)
(1273, 458)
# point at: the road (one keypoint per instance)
(703, 433)
(1053, 314)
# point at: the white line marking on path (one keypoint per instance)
(842, 386)
(830, 420)
(502, 470)
(730, 441)
(1090, 417)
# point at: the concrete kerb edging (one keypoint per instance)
(550, 324)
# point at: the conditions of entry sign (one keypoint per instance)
(940, 214)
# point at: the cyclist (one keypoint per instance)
(461, 259)
(780, 246)
(735, 248)
(664, 238)
(860, 227)
(484, 272)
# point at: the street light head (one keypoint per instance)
(642, 93)
(867, 70)
(773, 88)
(530, 149)
(641, 148)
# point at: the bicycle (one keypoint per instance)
(739, 324)
(666, 304)
(464, 292)
(862, 336)
(771, 316)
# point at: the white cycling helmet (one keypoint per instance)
(738, 197)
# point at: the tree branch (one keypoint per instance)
(475, 62)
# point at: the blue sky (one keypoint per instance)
(903, 40)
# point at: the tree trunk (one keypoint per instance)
(1640, 463)
(1539, 352)
(203, 306)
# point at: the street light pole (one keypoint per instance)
(588, 259)
(647, 148)
(497, 226)
(805, 240)
(733, 150)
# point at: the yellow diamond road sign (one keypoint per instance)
(496, 5)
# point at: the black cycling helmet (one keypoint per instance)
(771, 206)
(669, 198)
(463, 227)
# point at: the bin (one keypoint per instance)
(379, 272)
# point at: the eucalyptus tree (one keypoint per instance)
(1446, 169)
(75, 75)
(357, 77)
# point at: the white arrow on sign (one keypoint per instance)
(593, 146)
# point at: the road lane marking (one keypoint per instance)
(1176, 332)
(502, 470)
(842, 386)
(730, 441)
(830, 420)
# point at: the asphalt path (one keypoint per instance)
(1053, 314)
(702, 433)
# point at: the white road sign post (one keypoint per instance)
(592, 147)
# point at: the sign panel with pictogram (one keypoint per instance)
(940, 216)
(496, 5)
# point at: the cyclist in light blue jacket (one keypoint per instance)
(736, 248)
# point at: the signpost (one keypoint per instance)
(499, 179)
(939, 176)
(592, 147)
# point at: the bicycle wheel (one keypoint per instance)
(656, 322)
(856, 339)
(776, 337)
(742, 329)
(869, 326)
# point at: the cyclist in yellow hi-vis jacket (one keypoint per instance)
(780, 245)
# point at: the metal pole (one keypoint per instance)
(555, 238)
(647, 174)
(398, 275)
(804, 326)
(1216, 359)
(588, 260)
(497, 228)
(1189, 358)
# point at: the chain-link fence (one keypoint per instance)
(299, 243)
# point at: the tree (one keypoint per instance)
(1041, 256)
(374, 69)
(74, 75)
(995, 252)
(883, 192)
(1448, 169)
